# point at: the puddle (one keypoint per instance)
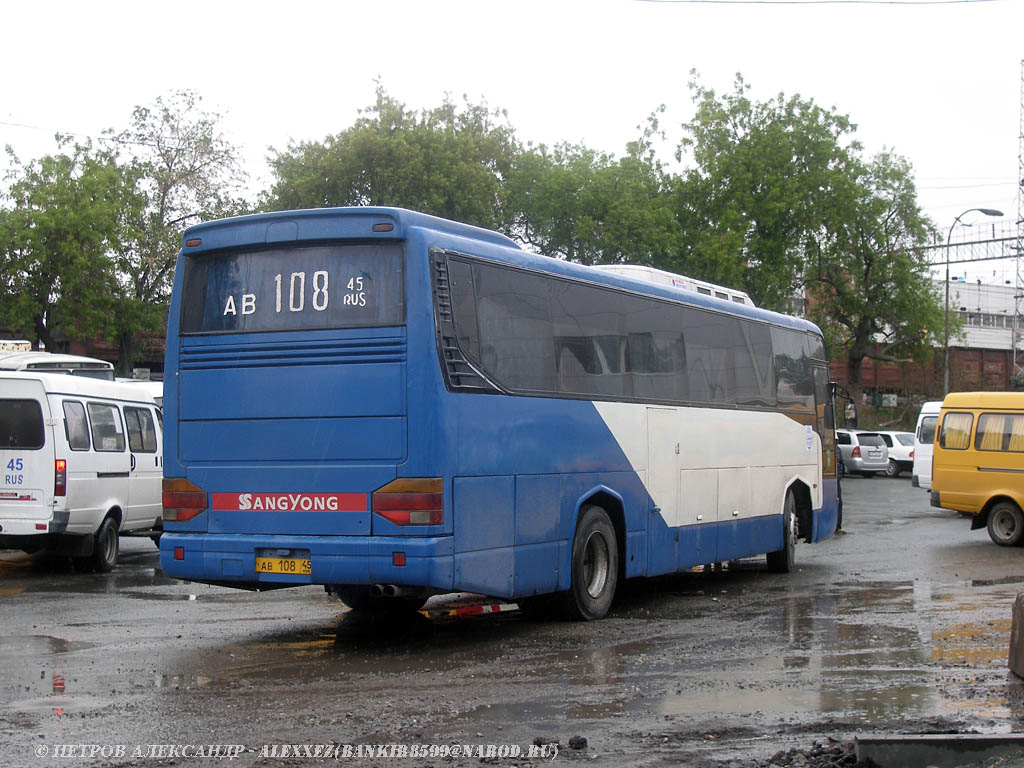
(57, 699)
(37, 645)
(60, 705)
(997, 582)
(211, 597)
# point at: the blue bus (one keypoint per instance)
(393, 405)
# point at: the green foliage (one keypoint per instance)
(577, 204)
(776, 198)
(868, 277)
(68, 213)
(187, 171)
(449, 161)
(765, 176)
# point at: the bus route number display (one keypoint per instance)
(301, 288)
(296, 295)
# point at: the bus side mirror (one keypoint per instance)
(830, 417)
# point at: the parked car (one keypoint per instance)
(901, 452)
(864, 453)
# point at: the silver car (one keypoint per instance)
(863, 453)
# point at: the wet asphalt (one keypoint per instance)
(901, 625)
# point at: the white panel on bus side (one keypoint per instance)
(733, 494)
(663, 461)
(683, 451)
(700, 497)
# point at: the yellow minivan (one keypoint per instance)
(978, 462)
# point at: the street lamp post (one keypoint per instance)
(945, 343)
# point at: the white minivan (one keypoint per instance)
(81, 461)
(924, 437)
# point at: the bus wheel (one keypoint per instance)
(105, 547)
(782, 561)
(595, 566)
(363, 600)
(1006, 524)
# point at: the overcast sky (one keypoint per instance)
(938, 82)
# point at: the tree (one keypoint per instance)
(578, 204)
(447, 161)
(869, 282)
(765, 174)
(187, 171)
(69, 214)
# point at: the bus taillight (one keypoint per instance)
(183, 500)
(411, 501)
(60, 478)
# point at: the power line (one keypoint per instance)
(819, 2)
(77, 135)
(1009, 183)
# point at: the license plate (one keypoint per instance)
(297, 565)
(874, 454)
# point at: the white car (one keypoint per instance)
(901, 452)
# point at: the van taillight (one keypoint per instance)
(183, 500)
(60, 478)
(855, 453)
(411, 501)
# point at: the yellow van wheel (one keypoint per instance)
(1006, 524)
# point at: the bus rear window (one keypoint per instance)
(329, 286)
(21, 424)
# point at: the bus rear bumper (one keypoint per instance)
(361, 560)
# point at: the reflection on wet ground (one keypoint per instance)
(741, 645)
(864, 652)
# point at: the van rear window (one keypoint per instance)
(21, 424)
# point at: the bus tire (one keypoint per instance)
(105, 547)
(595, 566)
(362, 600)
(1006, 524)
(783, 560)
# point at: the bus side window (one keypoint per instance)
(75, 426)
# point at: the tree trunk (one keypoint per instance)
(855, 378)
(43, 335)
(125, 353)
